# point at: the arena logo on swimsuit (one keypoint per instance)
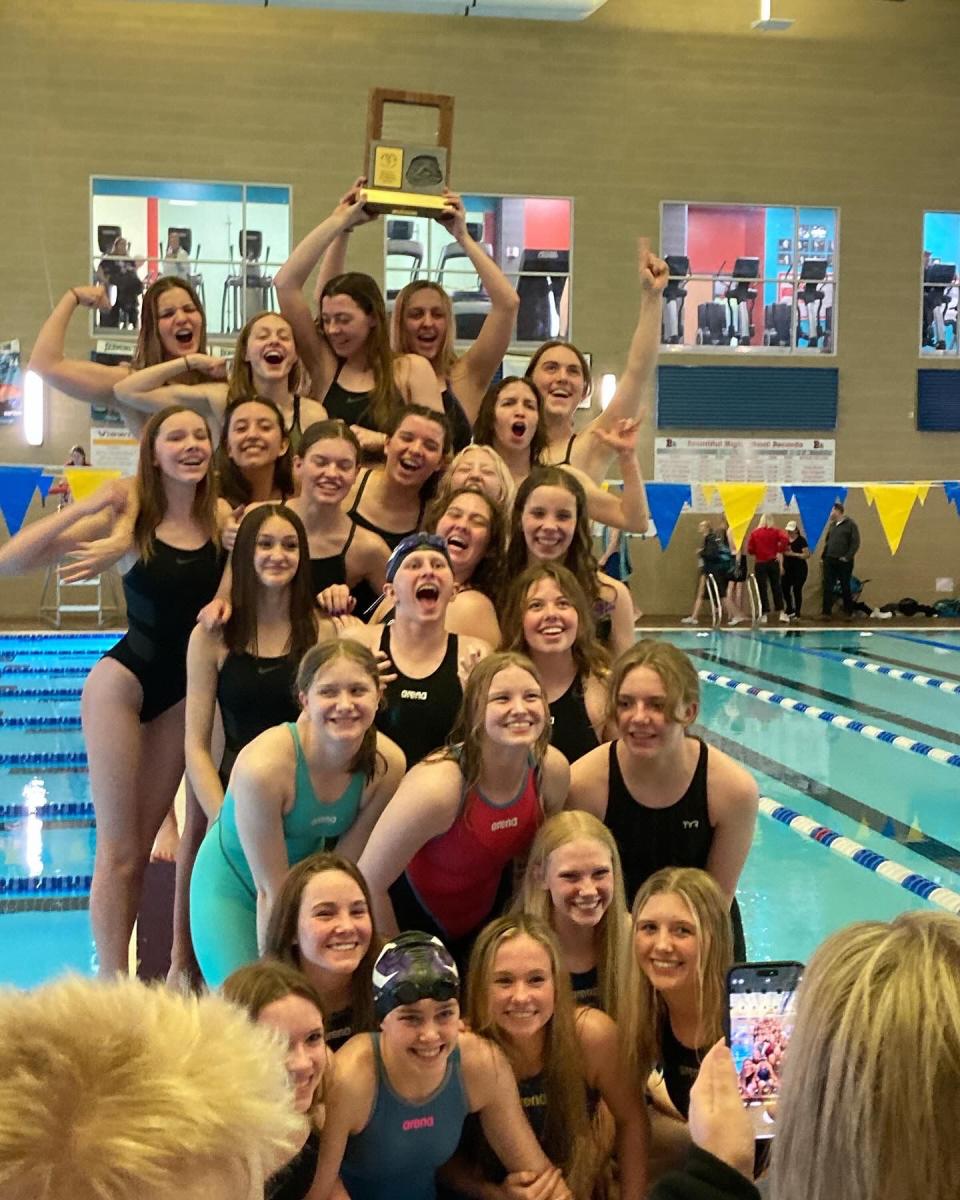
(508, 823)
(324, 819)
(417, 1123)
(410, 694)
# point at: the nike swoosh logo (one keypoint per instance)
(267, 670)
(182, 562)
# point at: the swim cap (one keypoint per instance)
(413, 966)
(415, 541)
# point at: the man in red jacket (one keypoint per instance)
(767, 544)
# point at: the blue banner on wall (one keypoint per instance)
(666, 502)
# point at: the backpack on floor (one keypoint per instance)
(947, 608)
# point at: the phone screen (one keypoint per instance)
(761, 999)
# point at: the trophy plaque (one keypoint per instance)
(409, 142)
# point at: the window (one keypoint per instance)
(940, 291)
(750, 277)
(227, 239)
(529, 237)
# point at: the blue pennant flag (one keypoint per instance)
(666, 500)
(44, 484)
(814, 500)
(952, 490)
(17, 485)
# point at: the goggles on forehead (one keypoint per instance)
(415, 541)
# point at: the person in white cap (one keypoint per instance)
(794, 569)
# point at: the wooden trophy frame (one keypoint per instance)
(388, 159)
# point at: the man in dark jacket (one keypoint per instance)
(839, 548)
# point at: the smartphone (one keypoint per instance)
(761, 999)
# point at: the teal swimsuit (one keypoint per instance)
(395, 1156)
(223, 895)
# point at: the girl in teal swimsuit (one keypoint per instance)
(320, 781)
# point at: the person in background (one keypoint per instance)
(767, 544)
(119, 270)
(794, 569)
(119, 1089)
(716, 557)
(840, 547)
(176, 260)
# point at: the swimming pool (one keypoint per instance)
(860, 770)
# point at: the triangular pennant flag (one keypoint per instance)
(952, 491)
(740, 502)
(814, 501)
(894, 503)
(17, 485)
(922, 490)
(44, 484)
(889, 830)
(84, 481)
(915, 833)
(709, 490)
(666, 500)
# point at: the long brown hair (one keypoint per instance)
(233, 486)
(589, 656)
(240, 382)
(240, 631)
(364, 291)
(552, 344)
(281, 938)
(567, 1137)
(153, 495)
(483, 429)
(580, 558)
(446, 355)
(488, 573)
(466, 740)
(315, 659)
(149, 349)
(644, 1011)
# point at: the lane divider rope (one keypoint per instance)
(931, 681)
(25, 669)
(918, 885)
(47, 812)
(49, 885)
(47, 724)
(57, 758)
(16, 693)
(873, 732)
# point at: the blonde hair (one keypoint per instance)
(874, 1067)
(117, 1089)
(676, 670)
(534, 898)
(567, 1138)
(644, 1010)
(504, 478)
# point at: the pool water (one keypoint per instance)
(892, 798)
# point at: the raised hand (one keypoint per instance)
(89, 559)
(350, 207)
(454, 215)
(92, 295)
(209, 365)
(622, 439)
(654, 272)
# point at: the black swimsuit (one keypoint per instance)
(294, 1179)
(350, 407)
(571, 731)
(254, 694)
(419, 713)
(461, 430)
(325, 572)
(392, 539)
(164, 596)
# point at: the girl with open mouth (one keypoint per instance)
(562, 375)
(565, 1060)
(254, 462)
(472, 525)
(281, 999)
(448, 840)
(265, 363)
(481, 467)
(550, 524)
(311, 784)
(574, 882)
(322, 924)
(346, 350)
(668, 799)
(132, 708)
(547, 616)
(431, 664)
(401, 1094)
(511, 420)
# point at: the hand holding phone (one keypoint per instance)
(761, 1000)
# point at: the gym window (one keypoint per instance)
(749, 278)
(940, 290)
(529, 237)
(227, 239)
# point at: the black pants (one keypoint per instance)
(836, 570)
(769, 573)
(793, 582)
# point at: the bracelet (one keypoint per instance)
(75, 294)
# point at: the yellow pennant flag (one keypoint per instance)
(709, 491)
(922, 490)
(894, 503)
(84, 481)
(740, 502)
